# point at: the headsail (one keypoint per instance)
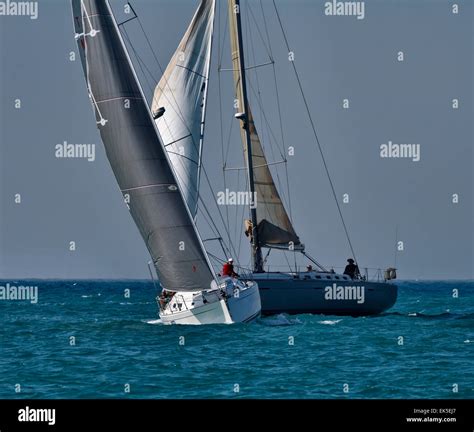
(135, 152)
(182, 92)
(273, 224)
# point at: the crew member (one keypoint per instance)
(352, 269)
(228, 269)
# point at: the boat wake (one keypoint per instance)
(154, 322)
(279, 320)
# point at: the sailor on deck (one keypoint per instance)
(352, 269)
(228, 269)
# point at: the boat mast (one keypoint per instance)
(243, 117)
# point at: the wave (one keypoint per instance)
(445, 314)
(279, 320)
(329, 322)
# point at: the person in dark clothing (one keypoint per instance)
(228, 269)
(352, 269)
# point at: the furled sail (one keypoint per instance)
(273, 224)
(135, 152)
(182, 92)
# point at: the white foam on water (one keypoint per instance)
(330, 322)
(154, 322)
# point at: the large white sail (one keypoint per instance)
(135, 152)
(273, 224)
(182, 92)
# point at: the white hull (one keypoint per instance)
(231, 302)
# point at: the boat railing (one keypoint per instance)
(177, 299)
(369, 274)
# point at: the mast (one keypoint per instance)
(234, 13)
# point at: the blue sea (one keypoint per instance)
(87, 339)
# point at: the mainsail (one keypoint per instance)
(182, 92)
(135, 152)
(273, 224)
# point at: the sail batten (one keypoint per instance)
(182, 92)
(273, 224)
(135, 152)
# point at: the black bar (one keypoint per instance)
(379, 415)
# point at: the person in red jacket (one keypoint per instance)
(228, 269)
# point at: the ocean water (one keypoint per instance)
(120, 349)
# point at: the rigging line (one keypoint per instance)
(236, 213)
(266, 30)
(260, 101)
(280, 118)
(259, 97)
(221, 118)
(231, 245)
(259, 32)
(229, 139)
(221, 54)
(242, 219)
(315, 134)
(283, 144)
(218, 33)
(288, 261)
(247, 68)
(274, 138)
(208, 217)
(255, 166)
(264, 115)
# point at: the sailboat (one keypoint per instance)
(313, 291)
(192, 292)
(318, 291)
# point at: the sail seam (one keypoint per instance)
(147, 186)
(193, 71)
(178, 140)
(117, 98)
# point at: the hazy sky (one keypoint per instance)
(338, 57)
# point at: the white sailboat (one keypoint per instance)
(313, 291)
(156, 198)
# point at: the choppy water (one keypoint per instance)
(120, 342)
